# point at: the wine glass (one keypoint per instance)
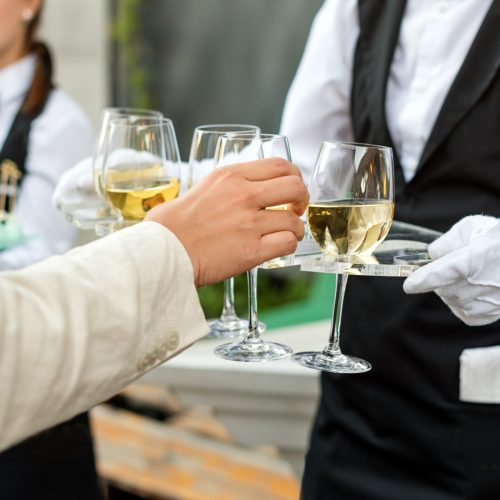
(93, 208)
(202, 162)
(234, 148)
(108, 115)
(141, 167)
(349, 214)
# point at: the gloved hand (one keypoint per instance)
(75, 186)
(466, 270)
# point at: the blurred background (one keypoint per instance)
(198, 62)
(233, 431)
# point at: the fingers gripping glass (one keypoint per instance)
(350, 212)
(201, 162)
(233, 149)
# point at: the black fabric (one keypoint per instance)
(57, 464)
(15, 147)
(400, 431)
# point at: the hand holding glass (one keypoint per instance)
(201, 162)
(233, 149)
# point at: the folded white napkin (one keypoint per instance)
(480, 375)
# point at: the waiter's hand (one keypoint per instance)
(222, 221)
(466, 270)
(76, 185)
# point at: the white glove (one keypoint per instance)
(75, 186)
(466, 270)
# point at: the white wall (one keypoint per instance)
(76, 31)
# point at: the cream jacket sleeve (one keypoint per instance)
(78, 328)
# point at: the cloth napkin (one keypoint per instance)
(480, 375)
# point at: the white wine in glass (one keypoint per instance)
(349, 227)
(349, 215)
(125, 115)
(141, 166)
(92, 209)
(135, 191)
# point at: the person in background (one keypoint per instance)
(43, 132)
(68, 343)
(421, 76)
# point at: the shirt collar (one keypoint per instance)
(15, 79)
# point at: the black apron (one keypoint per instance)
(400, 432)
(57, 464)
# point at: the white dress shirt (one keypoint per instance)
(78, 328)
(59, 137)
(434, 39)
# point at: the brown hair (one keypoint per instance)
(42, 80)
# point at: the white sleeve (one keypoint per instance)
(60, 137)
(317, 107)
(78, 328)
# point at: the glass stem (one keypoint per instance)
(228, 310)
(253, 334)
(333, 347)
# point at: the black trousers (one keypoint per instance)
(57, 464)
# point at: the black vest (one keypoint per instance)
(15, 147)
(400, 432)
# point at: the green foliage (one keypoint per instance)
(125, 31)
(274, 288)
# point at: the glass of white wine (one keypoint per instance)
(126, 115)
(201, 162)
(234, 148)
(91, 209)
(141, 166)
(349, 215)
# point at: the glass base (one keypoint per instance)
(87, 215)
(253, 351)
(105, 228)
(336, 363)
(231, 327)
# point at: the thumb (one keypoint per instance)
(442, 272)
(461, 234)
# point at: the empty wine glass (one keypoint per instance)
(234, 148)
(141, 167)
(201, 162)
(349, 214)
